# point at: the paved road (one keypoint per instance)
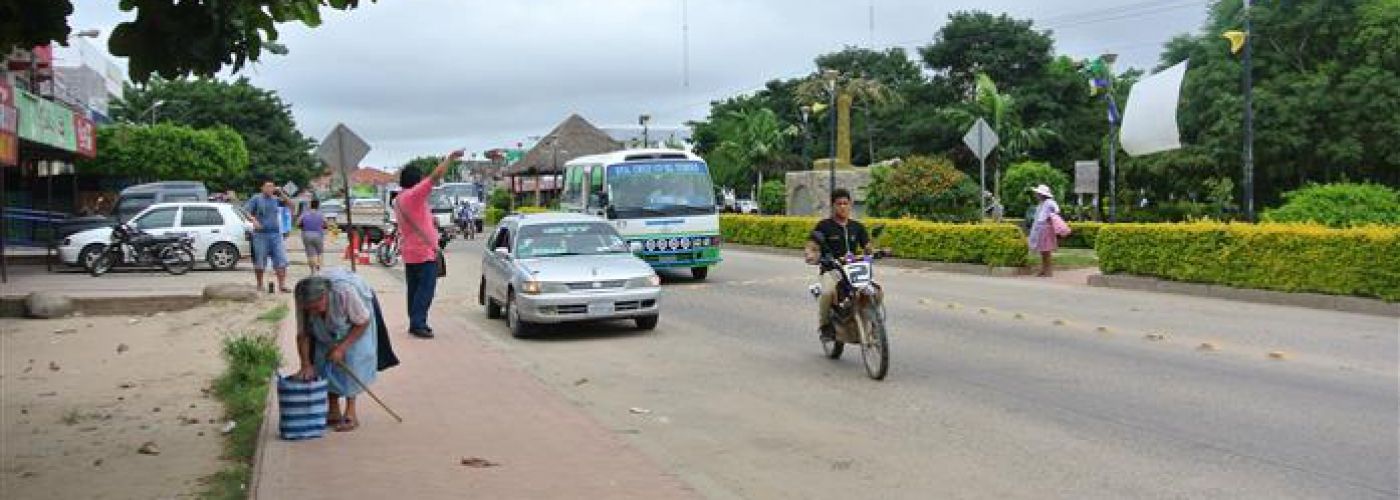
(999, 388)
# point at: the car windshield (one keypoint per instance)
(574, 238)
(661, 189)
(441, 200)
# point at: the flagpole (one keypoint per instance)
(1248, 114)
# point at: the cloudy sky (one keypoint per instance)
(418, 77)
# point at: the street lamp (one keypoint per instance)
(831, 75)
(152, 110)
(806, 136)
(643, 121)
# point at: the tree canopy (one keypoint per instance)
(276, 149)
(214, 156)
(171, 39)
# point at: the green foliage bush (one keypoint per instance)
(991, 244)
(215, 156)
(1339, 205)
(493, 215)
(772, 198)
(500, 199)
(1286, 257)
(1021, 177)
(923, 187)
(1083, 234)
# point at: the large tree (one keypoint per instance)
(1008, 50)
(169, 152)
(170, 38)
(276, 149)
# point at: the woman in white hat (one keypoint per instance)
(1042, 238)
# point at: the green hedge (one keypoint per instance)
(1082, 235)
(991, 244)
(1284, 257)
(493, 215)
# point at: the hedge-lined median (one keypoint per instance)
(991, 244)
(1285, 257)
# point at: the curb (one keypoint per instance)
(945, 267)
(12, 306)
(270, 415)
(1342, 303)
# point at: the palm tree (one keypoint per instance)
(999, 110)
(754, 137)
(849, 89)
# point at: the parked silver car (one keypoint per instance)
(555, 268)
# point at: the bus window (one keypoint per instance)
(595, 186)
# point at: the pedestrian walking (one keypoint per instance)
(421, 256)
(313, 234)
(268, 244)
(1042, 236)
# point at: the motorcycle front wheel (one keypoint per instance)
(176, 260)
(833, 348)
(875, 352)
(104, 263)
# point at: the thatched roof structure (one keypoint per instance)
(573, 138)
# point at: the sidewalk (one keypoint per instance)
(459, 399)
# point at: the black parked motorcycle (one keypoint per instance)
(131, 247)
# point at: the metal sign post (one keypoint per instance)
(981, 139)
(342, 150)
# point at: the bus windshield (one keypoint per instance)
(664, 189)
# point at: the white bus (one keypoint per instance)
(661, 199)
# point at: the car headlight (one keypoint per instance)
(530, 288)
(644, 282)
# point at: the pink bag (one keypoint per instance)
(1059, 226)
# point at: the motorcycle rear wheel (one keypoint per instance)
(176, 260)
(876, 353)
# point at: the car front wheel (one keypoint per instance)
(647, 322)
(519, 328)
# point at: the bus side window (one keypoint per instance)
(595, 186)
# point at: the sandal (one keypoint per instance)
(347, 425)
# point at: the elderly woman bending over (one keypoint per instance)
(337, 339)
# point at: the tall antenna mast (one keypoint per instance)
(685, 41)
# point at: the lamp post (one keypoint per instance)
(1108, 60)
(806, 135)
(830, 75)
(152, 110)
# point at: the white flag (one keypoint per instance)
(1149, 123)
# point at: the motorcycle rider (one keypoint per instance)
(843, 235)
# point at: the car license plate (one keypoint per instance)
(597, 308)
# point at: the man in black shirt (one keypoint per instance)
(842, 235)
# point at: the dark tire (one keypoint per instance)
(647, 323)
(493, 310)
(876, 355)
(90, 254)
(387, 254)
(176, 260)
(518, 328)
(104, 263)
(700, 273)
(222, 257)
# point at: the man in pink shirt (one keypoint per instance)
(419, 246)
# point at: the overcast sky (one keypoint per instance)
(417, 77)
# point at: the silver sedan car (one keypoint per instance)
(556, 268)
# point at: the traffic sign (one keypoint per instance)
(290, 188)
(981, 139)
(342, 150)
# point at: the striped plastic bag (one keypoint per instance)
(301, 408)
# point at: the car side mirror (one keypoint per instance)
(635, 246)
(502, 252)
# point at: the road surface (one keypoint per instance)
(999, 388)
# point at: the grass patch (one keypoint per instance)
(252, 360)
(275, 314)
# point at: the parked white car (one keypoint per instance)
(220, 230)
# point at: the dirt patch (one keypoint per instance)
(115, 406)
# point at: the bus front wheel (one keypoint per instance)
(700, 273)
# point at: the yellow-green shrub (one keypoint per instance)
(1082, 234)
(991, 244)
(532, 210)
(493, 215)
(1285, 257)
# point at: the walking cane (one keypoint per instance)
(366, 388)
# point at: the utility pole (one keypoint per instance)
(1248, 114)
(831, 76)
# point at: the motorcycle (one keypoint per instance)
(388, 251)
(132, 247)
(858, 310)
